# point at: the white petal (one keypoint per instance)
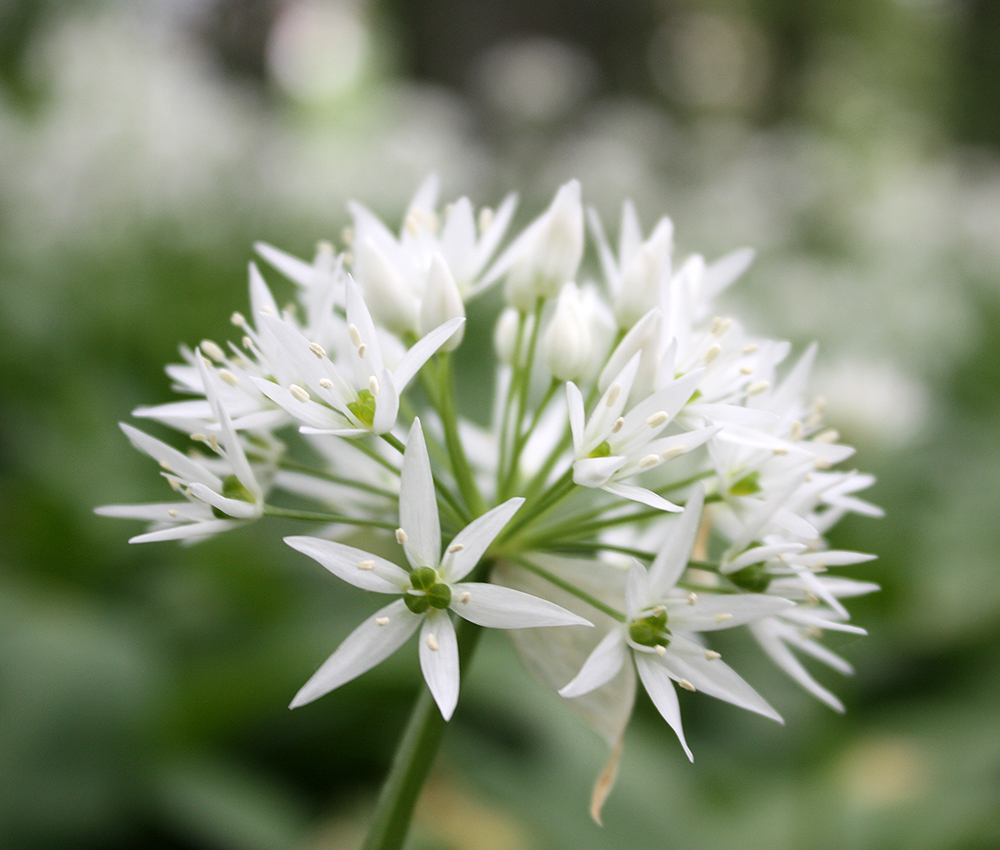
(640, 494)
(190, 531)
(299, 271)
(712, 612)
(369, 644)
(574, 399)
(309, 412)
(637, 590)
(596, 471)
(601, 666)
(386, 405)
(440, 665)
(378, 574)
(422, 350)
(173, 461)
(783, 657)
(236, 508)
(673, 556)
(686, 660)
(497, 607)
(418, 513)
(473, 540)
(661, 691)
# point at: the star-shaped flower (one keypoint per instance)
(426, 591)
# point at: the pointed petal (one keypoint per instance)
(673, 556)
(574, 400)
(191, 531)
(418, 513)
(422, 350)
(497, 607)
(368, 645)
(712, 612)
(299, 271)
(386, 405)
(173, 461)
(661, 691)
(642, 495)
(637, 590)
(596, 471)
(601, 666)
(236, 508)
(472, 541)
(783, 657)
(377, 574)
(439, 660)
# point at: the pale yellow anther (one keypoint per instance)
(373, 386)
(721, 618)
(675, 451)
(299, 393)
(456, 547)
(712, 352)
(165, 464)
(830, 436)
(432, 643)
(819, 567)
(347, 236)
(381, 621)
(712, 655)
(465, 597)
(822, 463)
(317, 349)
(213, 441)
(661, 650)
(212, 350)
(366, 565)
(746, 370)
(619, 424)
(198, 437)
(814, 632)
(720, 325)
(649, 461)
(780, 452)
(812, 598)
(613, 394)
(684, 683)
(324, 246)
(355, 335)
(758, 387)
(401, 537)
(797, 431)
(692, 598)
(174, 484)
(326, 383)
(246, 342)
(783, 557)
(659, 609)
(361, 350)
(238, 319)
(229, 377)
(174, 513)
(657, 419)
(267, 308)
(751, 348)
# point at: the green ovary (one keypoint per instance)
(363, 408)
(431, 591)
(651, 630)
(232, 488)
(603, 450)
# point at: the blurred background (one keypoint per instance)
(145, 146)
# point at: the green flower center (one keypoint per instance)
(754, 578)
(363, 408)
(232, 488)
(431, 592)
(650, 630)
(747, 485)
(603, 450)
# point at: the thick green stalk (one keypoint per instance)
(413, 760)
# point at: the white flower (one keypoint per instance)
(612, 447)
(334, 400)
(661, 630)
(427, 591)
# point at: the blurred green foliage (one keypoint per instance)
(143, 689)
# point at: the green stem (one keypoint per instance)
(569, 587)
(314, 516)
(444, 401)
(522, 403)
(413, 760)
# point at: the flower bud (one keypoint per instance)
(643, 275)
(505, 335)
(441, 302)
(567, 339)
(390, 298)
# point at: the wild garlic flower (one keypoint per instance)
(652, 467)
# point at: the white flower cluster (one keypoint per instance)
(650, 469)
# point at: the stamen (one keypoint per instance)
(361, 350)
(238, 319)
(684, 683)
(814, 632)
(812, 597)
(212, 350)
(692, 598)
(797, 431)
(198, 437)
(661, 650)
(780, 452)
(720, 325)
(671, 453)
(229, 377)
(712, 655)
(432, 643)
(213, 441)
(267, 308)
(751, 348)
(174, 484)
(174, 513)
(746, 370)
(822, 463)
(326, 383)
(401, 537)
(373, 386)
(347, 236)
(659, 609)
(165, 464)
(613, 394)
(830, 436)
(758, 387)
(712, 353)
(366, 565)
(456, 547)
(657, 419)
(649, 461)
(381, 621)
(317, 349)
(246, 342)
(619, 424)
(299, 393)
(465, 597)
(485, 219)
(355, 335)
(721, 618)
